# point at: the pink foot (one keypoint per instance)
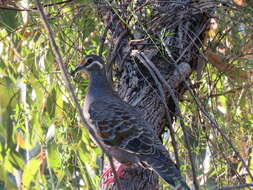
(108, 175)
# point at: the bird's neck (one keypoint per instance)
(98, 84)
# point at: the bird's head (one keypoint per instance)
(90, 63)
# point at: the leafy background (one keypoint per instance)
(42, 144)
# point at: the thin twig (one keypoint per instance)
(65, 75)
(235, 187)
(34, 8)
(217, 126)
(203, 110)
(175, 99)
(102, 162)
(113, 55)
(103, 38)
(75, 173)
(163, 99)
(231, 91)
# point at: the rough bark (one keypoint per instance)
(165, 33)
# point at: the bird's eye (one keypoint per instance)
(89, 61)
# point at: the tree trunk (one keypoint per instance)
(147, 40)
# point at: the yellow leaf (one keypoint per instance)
(20, 140)
(30, 171)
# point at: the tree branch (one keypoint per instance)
(65, 75)
(34, 8)
(163, 99)
(178, 112)
(236, 187)
(209, 117)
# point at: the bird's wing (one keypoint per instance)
(120, 125)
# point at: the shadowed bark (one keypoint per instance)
(147, 34)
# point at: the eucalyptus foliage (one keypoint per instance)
(43, 145)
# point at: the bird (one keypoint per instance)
(122, 128)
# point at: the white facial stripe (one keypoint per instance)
(95, 62)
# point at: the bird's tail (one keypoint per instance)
(164, 167)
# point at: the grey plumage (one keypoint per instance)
(122, 128)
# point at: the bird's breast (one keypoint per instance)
(86, 114)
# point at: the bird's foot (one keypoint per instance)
(108, 176)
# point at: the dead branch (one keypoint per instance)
(228, 69)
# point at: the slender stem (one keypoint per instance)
(181, 119)
(175, 99)
(236, 187)
(34, 8)
(203, 110)
(163, 99)
(65, 75)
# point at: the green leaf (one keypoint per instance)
(54, 160)
(16, 160)
(30, 172)
(51, 101)
(8, 20)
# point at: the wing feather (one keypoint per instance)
(120, 125)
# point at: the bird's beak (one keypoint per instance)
(78, 68)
